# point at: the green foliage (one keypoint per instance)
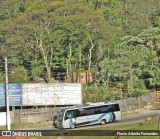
(140, 89)
(118, 39)
(2, 77)
(97, 93)
(157, 105)
(134, 58)
(18, 75)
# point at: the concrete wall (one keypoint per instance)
(3, 118)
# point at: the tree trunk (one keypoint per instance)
(39, 44)
(45, 60)
(90, 58)
(67, 72)
(126, 12)
(70, 63)
(80, 64)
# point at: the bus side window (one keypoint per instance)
(96, 111)
(117, 107)
(114, 107)
(77, 113)
(92, 111)
(111, 108)
(104, 109)
(85, 112)
(88, 111)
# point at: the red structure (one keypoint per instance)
(83, 77)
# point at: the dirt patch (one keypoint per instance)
(148, 119)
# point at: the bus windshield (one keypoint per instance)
(60, 114)
(58, 118)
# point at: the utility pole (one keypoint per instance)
(7, 96)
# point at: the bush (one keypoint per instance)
(2, 77)
(157, 105)
(95, 92)
(18, 75)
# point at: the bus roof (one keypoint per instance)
(89, 105)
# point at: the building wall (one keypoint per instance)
(3, 119)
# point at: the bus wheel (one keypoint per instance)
(72, 126)
(103, 122)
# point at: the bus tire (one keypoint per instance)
(103, 122)
(72, 126)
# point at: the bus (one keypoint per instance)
(94, 113)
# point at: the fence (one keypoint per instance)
(47, 113)
(133, 103)
(33, 115)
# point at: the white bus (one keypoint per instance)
(95, 113)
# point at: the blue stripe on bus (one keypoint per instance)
(70, 121)
(104, 114)
(95, 121)
(110, 117)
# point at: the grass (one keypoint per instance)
(28, 125)
(148, 125)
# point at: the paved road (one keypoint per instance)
(125, 120)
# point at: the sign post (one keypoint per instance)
(7, 96)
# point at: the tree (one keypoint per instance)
(18, 75)
(35, 36)
(126, 64)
